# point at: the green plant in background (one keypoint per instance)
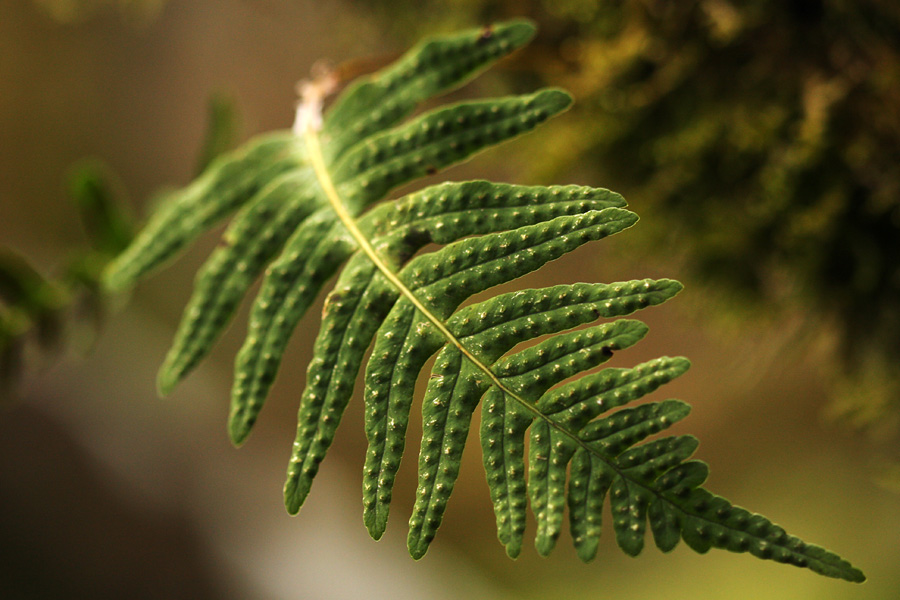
(306, 205)
(40, 315)
(765, 132)
(39, 311)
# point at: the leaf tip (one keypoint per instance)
(292, 500)
(587, 550)
(375, 533)
(555, 100)
(111, 279)
(165, 382)
(417, 550)
(682, 364)
(855, 575)
(513, 549)
(374, 525)
(544, 545)
(237, 431)
(676, 410)
(518, 31)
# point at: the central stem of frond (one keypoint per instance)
(308, 125)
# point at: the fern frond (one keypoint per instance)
(306, 208)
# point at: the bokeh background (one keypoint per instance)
(759, 143)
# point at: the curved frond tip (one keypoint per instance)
(532, 359)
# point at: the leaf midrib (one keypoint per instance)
(337, 204)
(324, 178)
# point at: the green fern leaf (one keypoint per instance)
(305, 205)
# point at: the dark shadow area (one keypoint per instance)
(68, 533)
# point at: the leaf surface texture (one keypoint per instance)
(558, 431)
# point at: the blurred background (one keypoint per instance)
(759, 142)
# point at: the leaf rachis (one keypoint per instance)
(312, 194)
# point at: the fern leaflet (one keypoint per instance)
(305, 205)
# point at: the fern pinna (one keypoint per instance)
(304, 202)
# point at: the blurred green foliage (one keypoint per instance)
(41, 314)
(38, 312)
(222, 130)
(766, 136)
